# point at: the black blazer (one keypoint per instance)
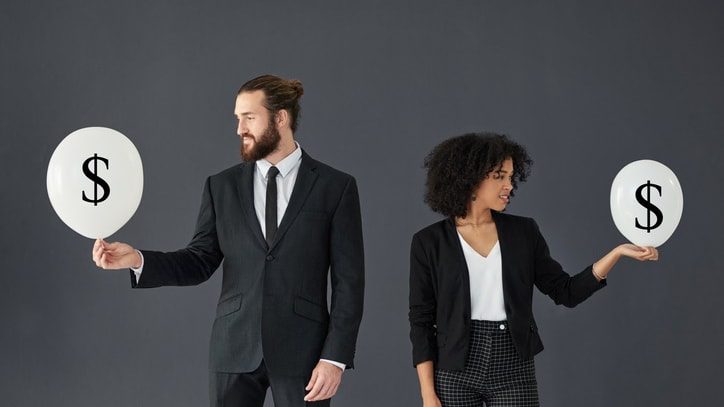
(275, 297)
(440, 289)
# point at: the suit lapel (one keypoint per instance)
(245, 189)
(302, 186)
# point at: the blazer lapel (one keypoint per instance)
(459, 255)
(506, 244)
(302, 186)
(245, 189)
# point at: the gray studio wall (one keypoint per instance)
(586, 86)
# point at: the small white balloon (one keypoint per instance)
(95, 181)
(646, 202)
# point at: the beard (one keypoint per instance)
(263, 145)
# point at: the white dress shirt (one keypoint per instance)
(486, 283)
(288, 170)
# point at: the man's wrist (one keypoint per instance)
(340, 365)
(139, 260)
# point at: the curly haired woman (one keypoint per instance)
(472, 275)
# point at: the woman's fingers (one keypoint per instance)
(646, 254)
(654, 254)
(641, 253)
(650, 253)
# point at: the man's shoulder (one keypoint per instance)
(327, 170)
(228, 177)
(230, 172)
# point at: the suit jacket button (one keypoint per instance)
(269, 258)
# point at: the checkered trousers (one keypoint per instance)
(494, 374)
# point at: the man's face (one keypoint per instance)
(257, 129)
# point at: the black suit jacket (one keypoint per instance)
(440, 289)
(274, 297)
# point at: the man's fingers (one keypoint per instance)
(316, 389)
(97, 257)
(106, 255)
(328, 386)
(329, 390)
(312, 380)
(312, 395)
(324, 392)
(110, 247)
(97, 250)
(102, 257)
(109, 261)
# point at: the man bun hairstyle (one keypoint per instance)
(280, 94)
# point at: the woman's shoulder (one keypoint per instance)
(516, 223)
(434, 229)
(512, 219)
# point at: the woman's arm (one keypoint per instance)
(553, 281)
(568, 290)
(423, 306)
(427, 384)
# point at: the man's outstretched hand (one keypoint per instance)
(116, 255)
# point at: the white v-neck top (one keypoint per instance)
(486, 283)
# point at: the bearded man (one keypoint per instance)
(282, 223)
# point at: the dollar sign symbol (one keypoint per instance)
(93, 175)
(649, 206)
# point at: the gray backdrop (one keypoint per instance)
(587, 87)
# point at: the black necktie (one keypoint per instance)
(271, 204)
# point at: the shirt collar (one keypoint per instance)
(284, 166)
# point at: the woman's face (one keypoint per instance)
(494, 191)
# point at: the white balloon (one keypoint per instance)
(646, 202)
(95, 181)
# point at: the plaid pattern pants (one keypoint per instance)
(494, 375)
